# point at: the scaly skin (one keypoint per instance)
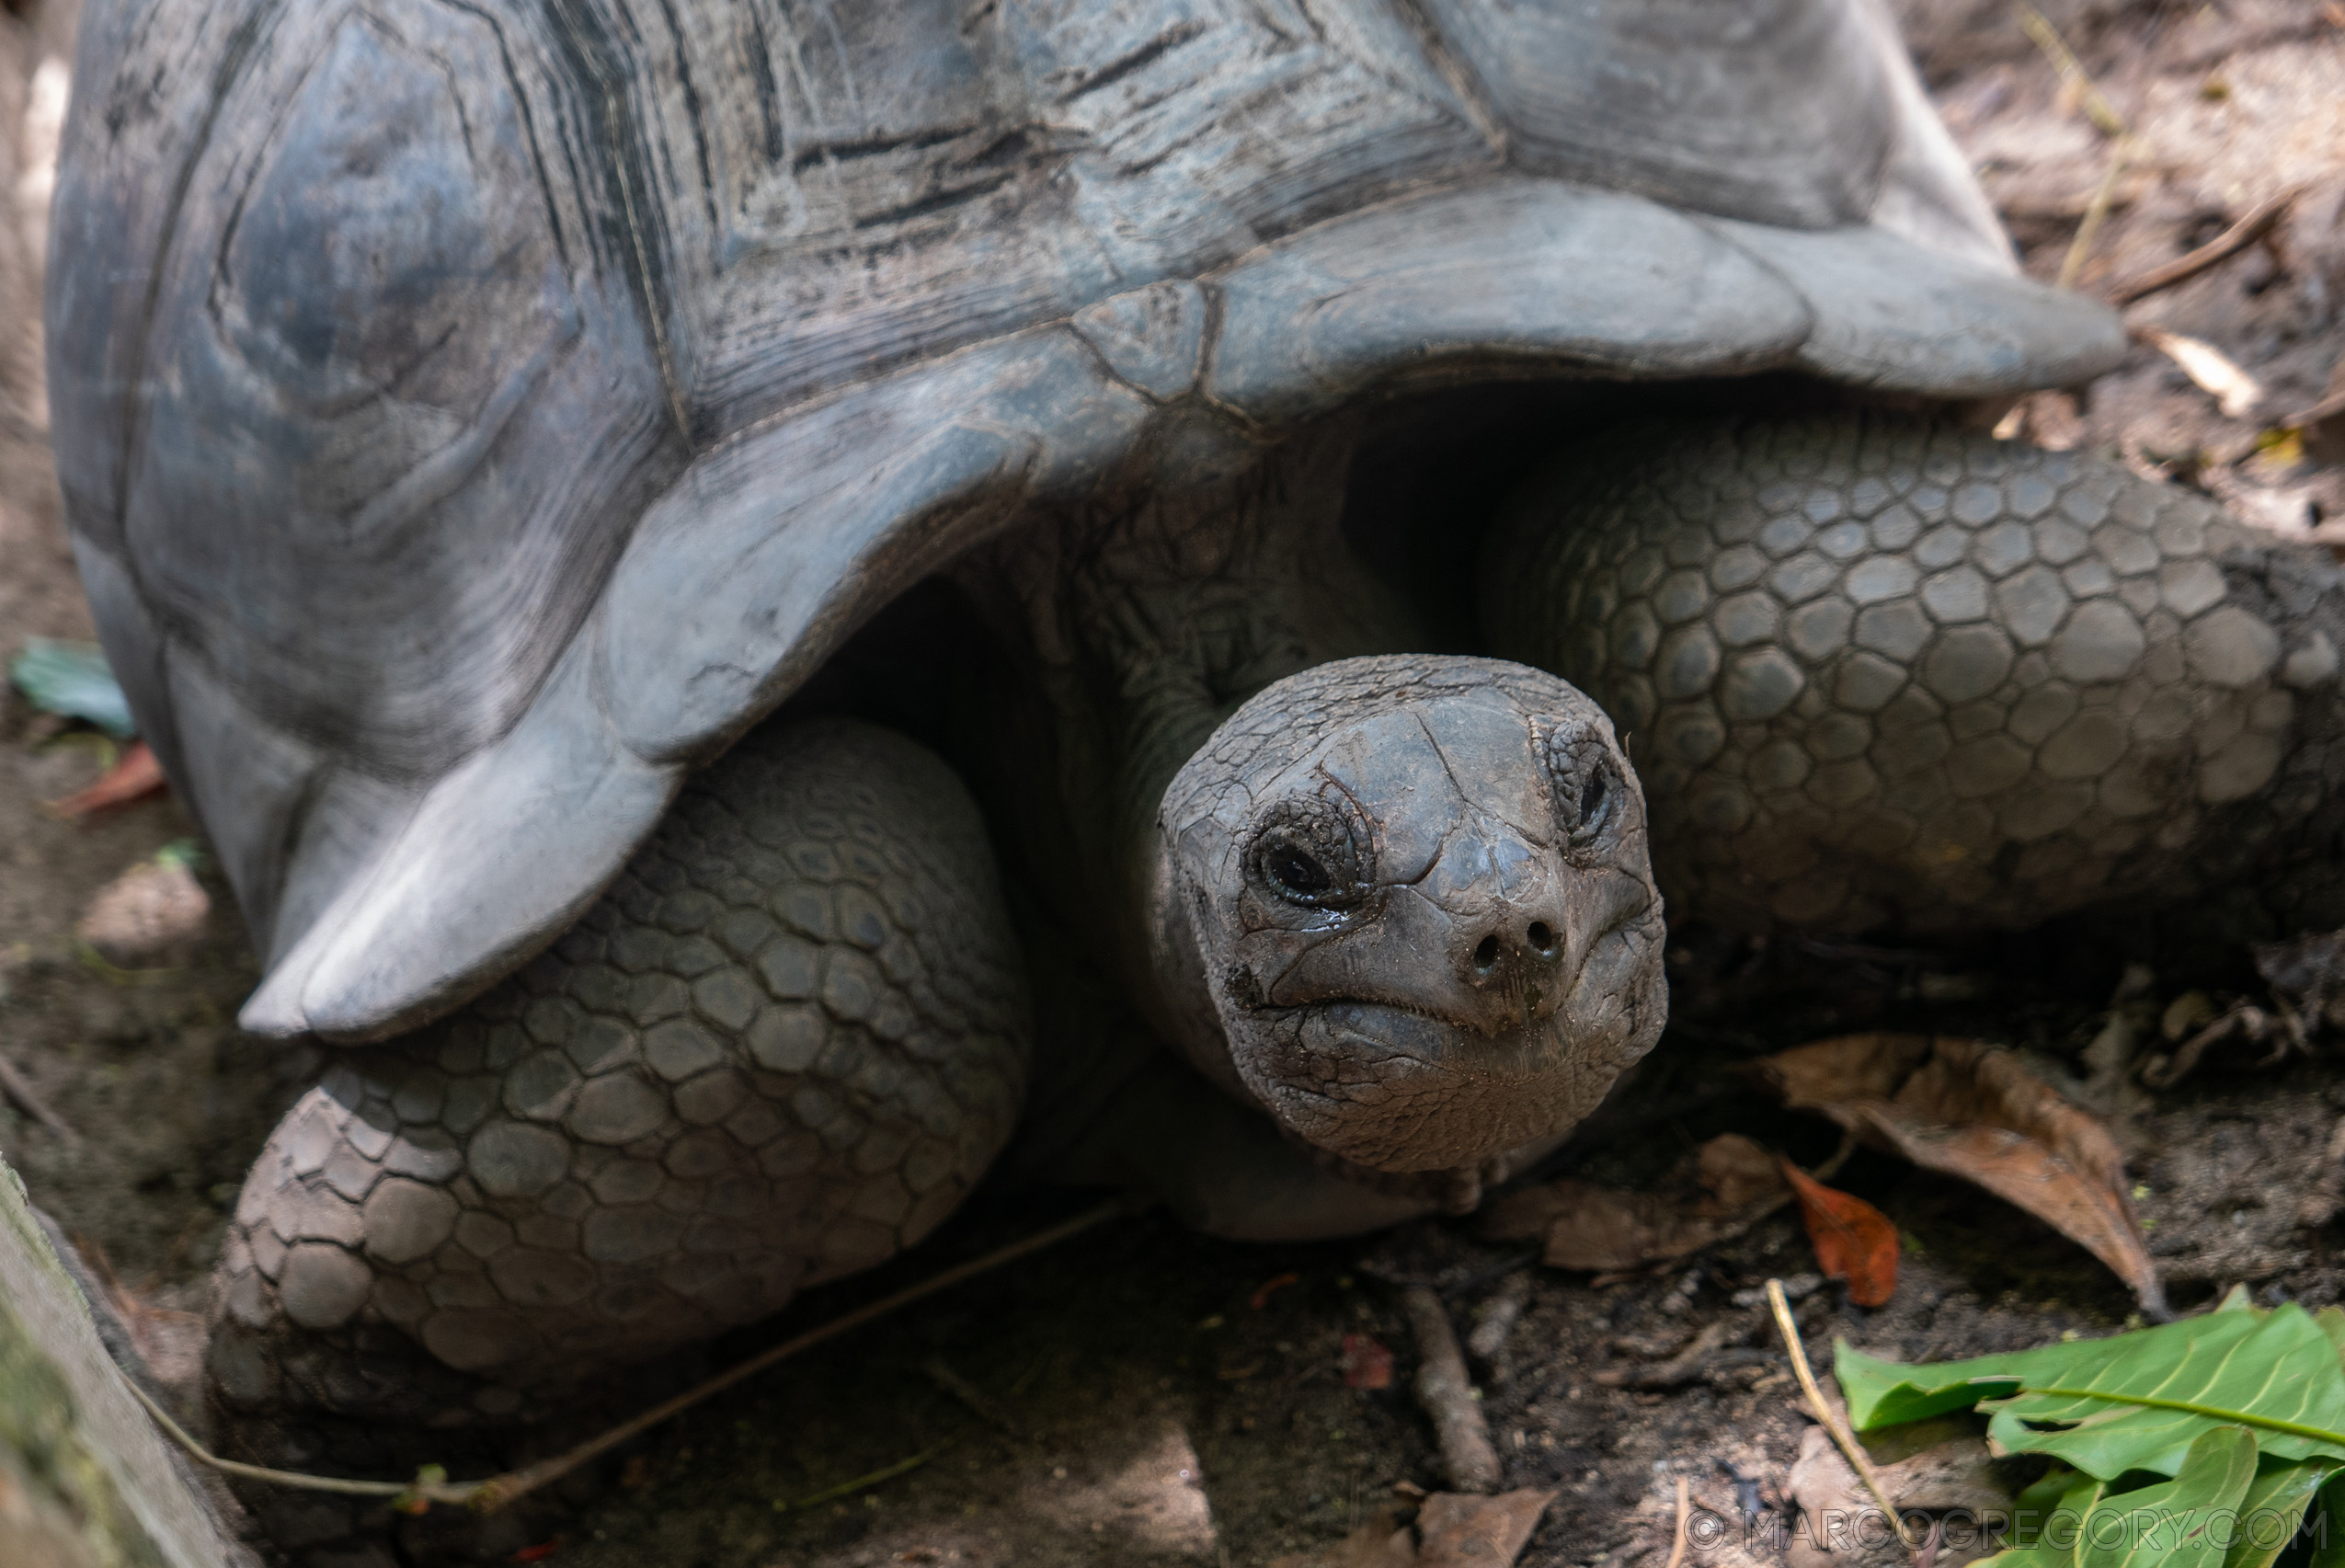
(785, 1044)
(1869, 673)
(791, 1037)
(1488, 959)
(1197, 663)
(1876, 674)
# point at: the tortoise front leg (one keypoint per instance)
(785, 1044)
(1875, 673)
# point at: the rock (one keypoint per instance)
(86, 1480)
(152, 914)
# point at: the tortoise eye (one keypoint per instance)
(1586, 780)
(1598, 795)
(1296, 872)
(1307, 852)
(1592, 796)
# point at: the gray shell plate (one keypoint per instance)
(472, 417)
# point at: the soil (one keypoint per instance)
(1147, 1396)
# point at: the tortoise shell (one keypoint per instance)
(474, 416)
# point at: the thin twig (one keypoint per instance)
(1443, 1388)
(1830, 1167)
(2327, 407)
(863, 1483)
(1683, 1368)
(1496, 1319)
(15, 1085)
(2102, 113)
(1684, 1515)
(2096, 107)
(1856, 1457)
(112, 974)
(2221, 248)
(483, 1496)
(983, 1404)
(431, 1491)
(2096, 213)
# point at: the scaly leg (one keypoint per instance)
(783, 1045)
(1877, 674)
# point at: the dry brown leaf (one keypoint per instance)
(1854, 1242)
(135, 776)
(1478, 1532)
(2235, 392)
(1974, 1111)
(1382, 1543)
(1738, 1174)
(1956, 1473)
(1457, 1531)
(1590, 1227)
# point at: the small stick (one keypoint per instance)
(1682, 1368)
(1488, 1340)
(2097, 108)
(16, 1087)
(1855, 1453)
(984, 1406)
(861, 1482)
(1685, 1513)
(2224, 247)
(1447, 1396)
(483, 1497)
(2327, 407)
(2096, 213)
(430, 1490)
(2102, 113)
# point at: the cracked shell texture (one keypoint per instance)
(785, 1044)
(471, 415)
(1874, 673)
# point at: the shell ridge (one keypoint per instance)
(1892, 314)
(551, 575)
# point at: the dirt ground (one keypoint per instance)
(1145, 1396)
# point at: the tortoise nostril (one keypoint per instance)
(1486, 954)
(1542, 940)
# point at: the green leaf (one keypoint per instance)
(2328, 1527)
(2140, 1400)
(1886, 1393)
(2332, 1323)
(2274, 1508)
(2133, 1400)
(182, 854)
(2183, 1523)
(2047, 1521)
(73, 679)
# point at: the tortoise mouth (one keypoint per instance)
(1395, 1089)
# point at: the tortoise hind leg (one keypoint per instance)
(1876, 673)
(782, 1047)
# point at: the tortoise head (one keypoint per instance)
(1415, 893)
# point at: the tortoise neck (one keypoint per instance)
(1152, 614)
(1223, 592)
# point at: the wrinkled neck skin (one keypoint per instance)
(1228, 696)
(1150, 620)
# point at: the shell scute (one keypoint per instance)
(474, 416)
(368, 340)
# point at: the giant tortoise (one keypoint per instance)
(757, 594)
